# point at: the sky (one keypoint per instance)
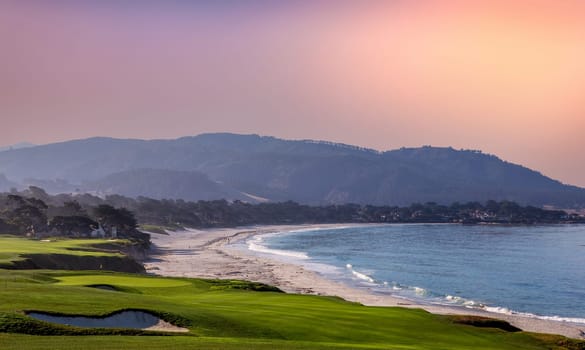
(505, 77)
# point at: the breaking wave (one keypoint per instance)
(256, 244)
(506, 311)
(368, 276)
(359, 275)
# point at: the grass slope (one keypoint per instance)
(12, 248)
(225, 315)
(68, 254)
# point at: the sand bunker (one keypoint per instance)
(103, 287)
(124, 319)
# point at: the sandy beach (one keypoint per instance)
(209, 254)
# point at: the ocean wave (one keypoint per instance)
(457, 300)
(497, 310)
(506, 311)
(413, 293)
(359, 275)
(421, 294)
(256, 245)
(317, 228)
(420, 291)
(308, 229)
(362, 276)
(562, 319)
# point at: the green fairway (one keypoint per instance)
(219, 314)
(11, 248)
(121, 281)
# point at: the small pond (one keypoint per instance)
(123, 319)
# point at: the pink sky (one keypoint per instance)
(506, 77)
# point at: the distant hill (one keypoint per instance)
(232, 166)
(16, 146)
(161, 184)
(5, 184)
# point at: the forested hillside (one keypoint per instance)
(254, 168)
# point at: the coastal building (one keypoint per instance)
(98, 232)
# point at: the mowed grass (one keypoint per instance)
(11, 248)
(221, 317)
(121, 281)
(219, 314)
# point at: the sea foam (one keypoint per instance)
(359, 275)
(506, 311)
(256, 245)
(363, 279)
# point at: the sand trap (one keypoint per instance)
(104, 287)
(124, 319)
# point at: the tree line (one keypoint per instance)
(33, 211)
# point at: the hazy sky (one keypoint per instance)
(506, 77)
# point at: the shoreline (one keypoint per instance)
(209, 254)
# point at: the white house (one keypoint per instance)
(99, 232)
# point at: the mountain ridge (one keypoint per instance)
(18, 145)
(307, 171)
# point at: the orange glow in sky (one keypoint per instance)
(506, 77)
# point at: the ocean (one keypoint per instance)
(538, 271)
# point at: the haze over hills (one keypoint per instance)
(252, 168)
(16, 146)
(161, 184)
(5, 184)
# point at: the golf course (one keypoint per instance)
(218, 314)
